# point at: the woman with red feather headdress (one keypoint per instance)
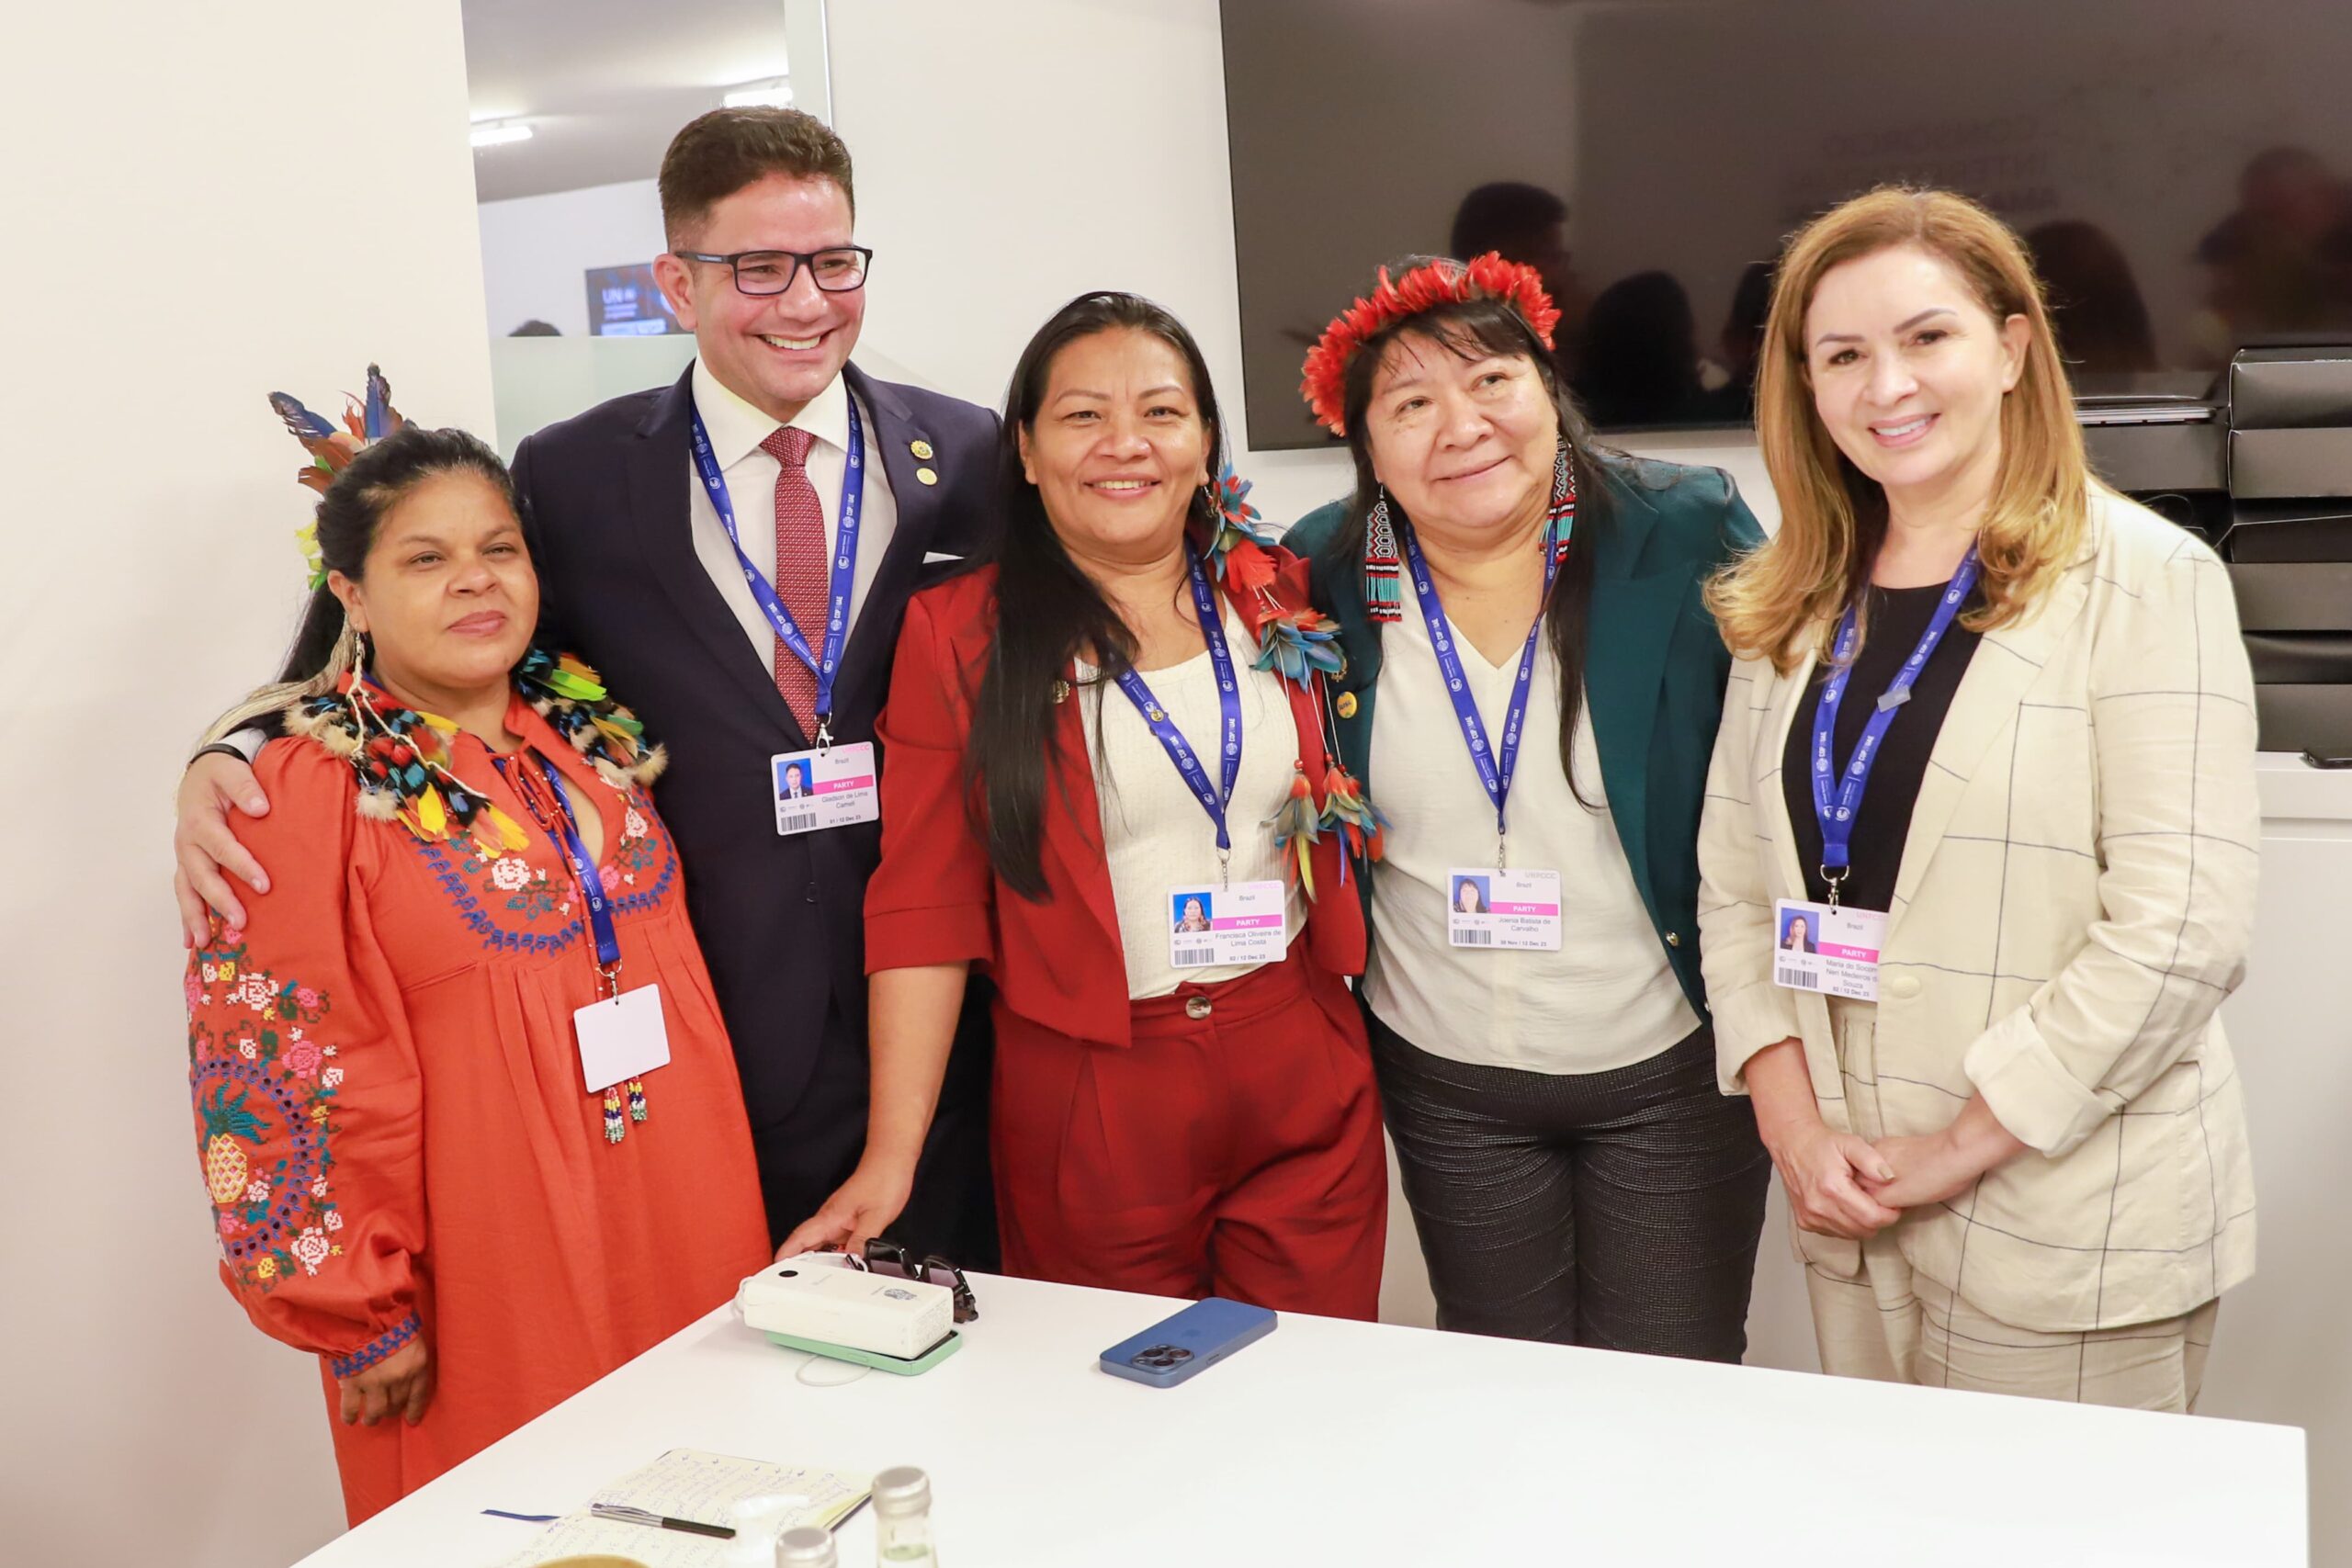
(1538, 721)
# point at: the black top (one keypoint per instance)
(1896, 618)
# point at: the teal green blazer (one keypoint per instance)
(1654, 670)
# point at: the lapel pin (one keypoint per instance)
(1061, 692)
(1346, 704)
(925, 476)
(921, 449)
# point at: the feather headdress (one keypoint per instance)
(367, 418)
(1391, 300)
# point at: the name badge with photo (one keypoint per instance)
(1509, 909)
(1834, 951)
(1245, 923)
(815, 790)
(622, 1037)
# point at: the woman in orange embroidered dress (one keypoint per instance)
(410, 1174)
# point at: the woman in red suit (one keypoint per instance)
(1116, 800)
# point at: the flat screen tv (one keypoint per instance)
(2178, 168)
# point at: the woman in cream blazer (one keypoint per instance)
(2023, 1169)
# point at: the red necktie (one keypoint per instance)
(800, 562)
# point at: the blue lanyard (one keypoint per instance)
(1494, 770)
(1835, 797)
(845, 565)
(1228, 698)
(592, 883)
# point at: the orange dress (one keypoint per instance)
(392, 1120)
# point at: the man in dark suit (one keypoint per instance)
(639, 575)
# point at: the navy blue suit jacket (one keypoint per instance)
(781, 919)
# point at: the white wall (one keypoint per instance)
(2281, 1350)
(301, 174)
(535, 250)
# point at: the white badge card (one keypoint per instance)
(1834, 951)
(621, 1038)
(815, 790)
(1519, 911)
(1245, 923)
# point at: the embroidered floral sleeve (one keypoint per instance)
(306, 1098)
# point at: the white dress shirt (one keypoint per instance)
(1607, 997)
(1156, 837)
(736, 431)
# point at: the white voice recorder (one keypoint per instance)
(814, 1296)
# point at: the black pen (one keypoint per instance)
(639, 1516)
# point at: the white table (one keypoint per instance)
(1346, 1443)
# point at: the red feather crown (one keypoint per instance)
(1425, 288)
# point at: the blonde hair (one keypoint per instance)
(1781, 600)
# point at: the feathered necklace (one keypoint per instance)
(401, 756)
(1303, 647)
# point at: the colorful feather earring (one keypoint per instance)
(1349, 814)
(1297, 828)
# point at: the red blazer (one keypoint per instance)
(936, 899)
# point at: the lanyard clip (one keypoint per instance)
(824, 732)
(1834, 878)
(1224, 866)
(608, 980)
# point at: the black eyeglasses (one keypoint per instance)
(888, 1257)
(840, 270)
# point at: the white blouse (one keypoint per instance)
(1157, 836)
(1608, 998)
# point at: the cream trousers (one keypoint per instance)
(1894, 1324)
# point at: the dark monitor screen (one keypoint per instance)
(625, 301)
(2178, 168)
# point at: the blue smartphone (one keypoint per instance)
(1189, 1342)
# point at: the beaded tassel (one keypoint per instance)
(1383, 594)
(637, 1100)
(615, 1128)
(1561, 520)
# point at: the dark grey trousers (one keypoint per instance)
(1618, 1210)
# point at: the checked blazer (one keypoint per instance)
(2074, 899)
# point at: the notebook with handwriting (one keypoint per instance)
(688, 1483)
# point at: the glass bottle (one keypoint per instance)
(902, 1518)
(807, 1547)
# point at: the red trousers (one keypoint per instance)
(1233, 1150)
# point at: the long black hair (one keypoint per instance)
(376, 480)
(1047, 609)
(1475, 329)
